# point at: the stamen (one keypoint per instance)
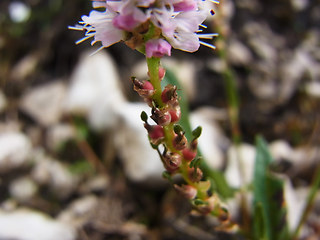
(78, 28)
(215, 1)
(207, 35)
(84, 39)
(207, 45)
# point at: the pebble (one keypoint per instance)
(23, 188)
(141, 162)
(45, 103)
(95, 91)
(240, 166)
(15, 150)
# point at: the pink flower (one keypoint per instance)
(185, 5)
(157, 48)
(178, 21)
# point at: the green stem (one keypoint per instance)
(153, 67)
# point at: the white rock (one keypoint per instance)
(24, 224)
(313, 89)
(48, 171)
(212, 141)
(141, 162)
(15, 149)
(59, 134)
(95, 90)
(240, 166)
(45, 103)
(23, 188)
(280, 149)
(19, 11)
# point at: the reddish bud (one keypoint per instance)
(187, 191)
(169, 94)
(175, 114)
(162, 72)
(155, 132)
(143, 88)
(161, 117)
(188, 154)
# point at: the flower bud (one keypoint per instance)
(161, 117)
(172, 161)
(175, 114)
(143, 88)
(187, 191)
(210, 205)
(179, 141)
(162, 72)
(169, 94)
(157, 48)
(188, 154)
(195, 175)
(156, 133)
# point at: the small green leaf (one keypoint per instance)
(177, 129)
(197, 132)
(144, 116)
(195, 162)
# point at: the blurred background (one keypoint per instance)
(75, 162)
